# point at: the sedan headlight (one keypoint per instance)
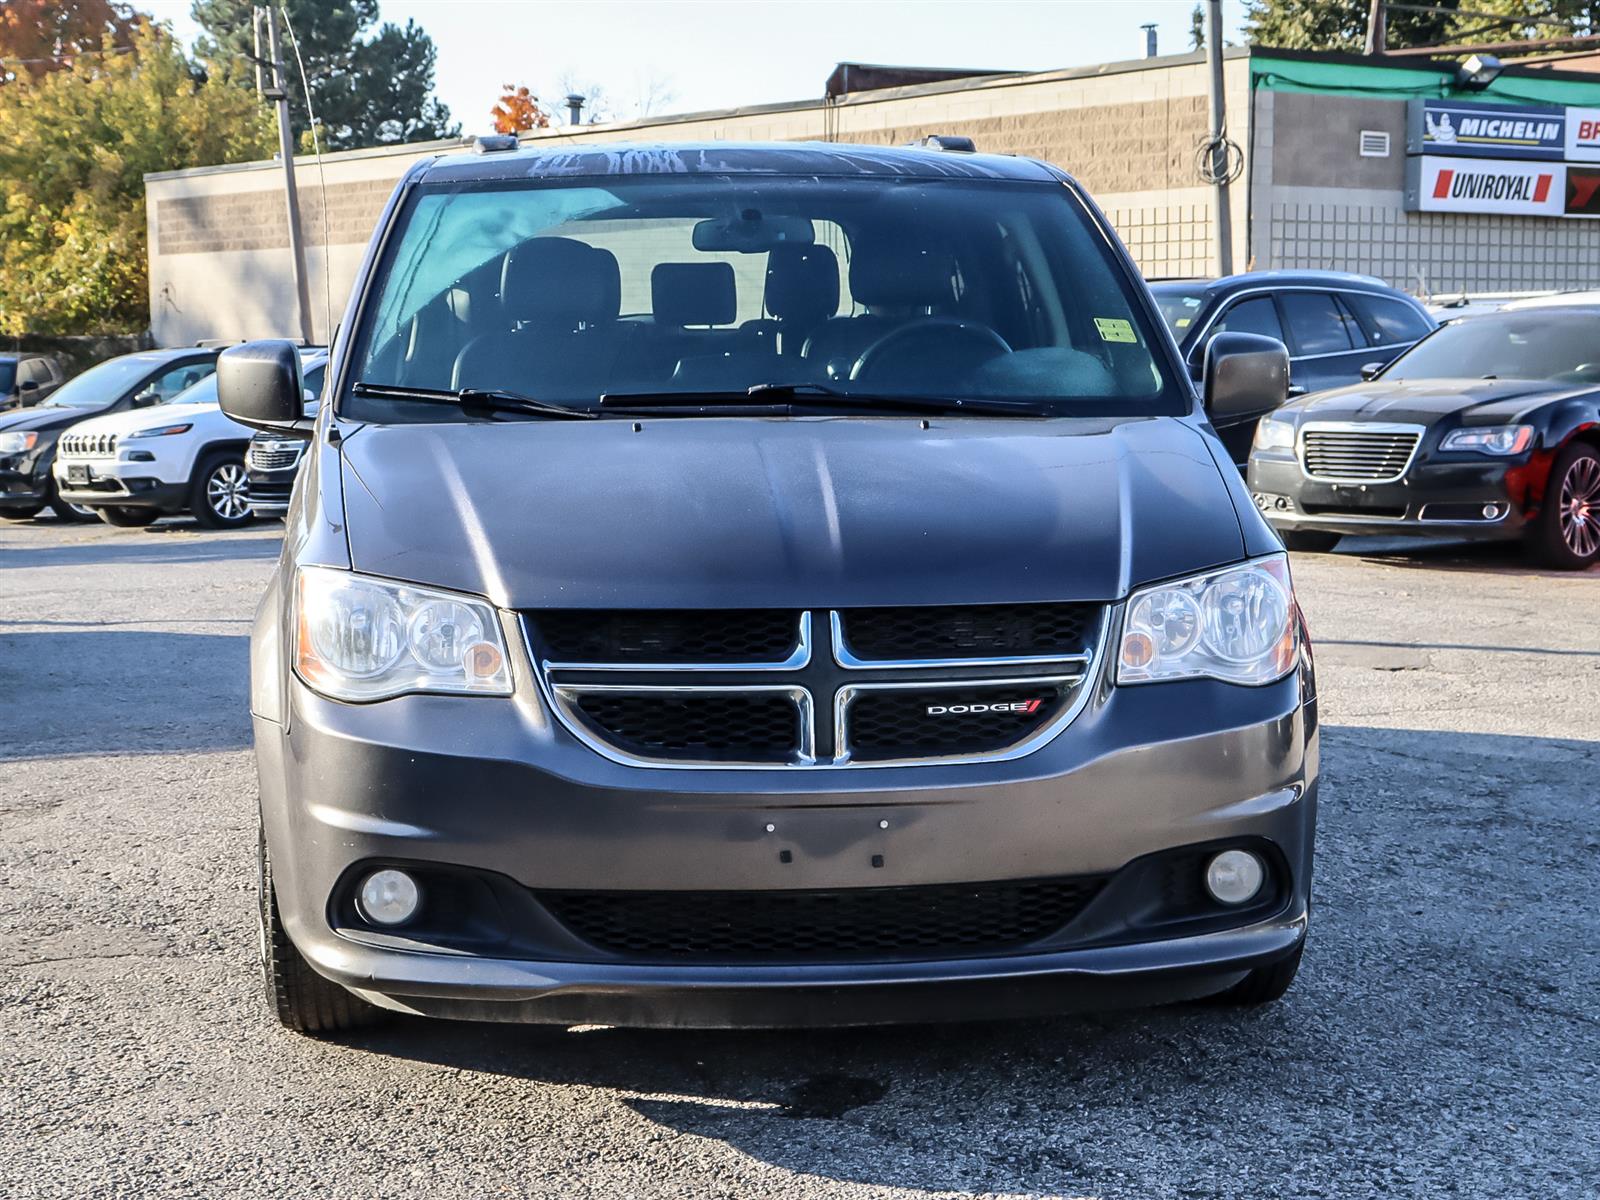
(362, 638)
(18, 443)
(159, 431)
(1274, 435)
(1490, 439)
(1237, 625)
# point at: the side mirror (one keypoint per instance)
(28, 385)
(259, 385)
(1245, 373)
(146, 398)
(1370, 370)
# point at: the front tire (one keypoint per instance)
(21, 514)
(1308, 541)
(1566, 533)
(72, 514)
(217, 496)
(301, 999)
(126, 517)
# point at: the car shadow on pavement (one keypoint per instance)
(165, 545)
(71, 691)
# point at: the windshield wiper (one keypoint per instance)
(481, 400)
(787, 397)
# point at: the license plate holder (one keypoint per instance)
(78, 473)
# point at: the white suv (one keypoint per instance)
(180, 456)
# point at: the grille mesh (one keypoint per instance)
(665, 636)
(270, 456)
(751, 726)
(821, 926)
(896, 723)
(1356, 454)
(969, 631)
(89, 445)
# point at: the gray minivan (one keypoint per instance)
(769, 585)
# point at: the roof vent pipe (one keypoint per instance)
(1149, 40)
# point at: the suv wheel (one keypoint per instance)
(1566, 533)
(217, 497)
(301, 999)
(70, 513)
(125, 517)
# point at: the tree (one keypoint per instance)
(368, 88)
(1339, 24)
(40, 36)
(74, 149)
(1197, 29)
(518, 110)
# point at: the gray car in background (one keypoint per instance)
(769, 585)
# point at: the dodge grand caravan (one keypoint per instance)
(769, 585)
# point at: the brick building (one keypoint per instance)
(1334, 152)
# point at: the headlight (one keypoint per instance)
(1490, 439)
(1237, 624)
(18, 443)
(159, 431)
(1274, 435)
(360, 638)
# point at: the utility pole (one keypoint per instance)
(1377, 27)
(278, 93)
(1219, 140)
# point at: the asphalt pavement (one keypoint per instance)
(1443, 1038)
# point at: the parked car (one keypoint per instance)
(26, 379)
(1488, 429)
(131, 468)
(785, 584)
(1332, 322)
(272, 461)
(29, 439)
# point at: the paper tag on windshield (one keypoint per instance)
(1114, 329)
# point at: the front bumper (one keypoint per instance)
(496, 786)
(23, 488)
(120, 484)
(1461, 497)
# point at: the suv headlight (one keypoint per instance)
(158, 431)
(357, 637)
(1490, 439)
(1273, 435)
(18, 443)
(1237, 624)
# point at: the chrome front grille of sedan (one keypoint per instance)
(275, 456)
(757, 689)
(1357, 451)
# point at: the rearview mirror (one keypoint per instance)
(1370, 370)
(259, 385)
(751, 233)
(1245, 373)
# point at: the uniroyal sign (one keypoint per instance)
(1475, 185)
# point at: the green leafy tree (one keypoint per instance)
(368, 88)
(1339, 24)
(74, 149)
(1197, 28)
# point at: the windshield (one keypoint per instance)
(8, 376)
(1178, 304)
(1548, 345)
(102, 384)
(714, 284)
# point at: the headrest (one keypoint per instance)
(699, 293)
(559, 281)
(802, 283)
(887, 271)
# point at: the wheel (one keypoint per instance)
(301, 999)
(217, 496)
(70, 513)
(1566, 533)
(1263, 985)
(21, 514)
(125, 517)
(1307, 541)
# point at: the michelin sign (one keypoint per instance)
(1474, 157)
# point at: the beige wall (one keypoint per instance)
(219, 260)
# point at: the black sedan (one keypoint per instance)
(1489, 428)
(1333, 323)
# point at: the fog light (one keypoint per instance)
(1234, 876)
(390, 897)
(1491, 511)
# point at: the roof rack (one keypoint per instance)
(494, 143)
(948, 142)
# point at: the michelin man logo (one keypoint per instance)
(1444, 131)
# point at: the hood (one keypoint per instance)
(1424, 401)
(43, 420)
(813, 512)
(133, 419)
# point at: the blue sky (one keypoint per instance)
(723, 53)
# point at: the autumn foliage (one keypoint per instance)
(518, 111)
(40, 36)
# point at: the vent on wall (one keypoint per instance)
(1374, 143)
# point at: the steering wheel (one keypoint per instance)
(944, 331)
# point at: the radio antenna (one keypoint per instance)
(322, 179)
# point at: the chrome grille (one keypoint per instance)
(89, 445)
(747, 688)
(275, 456)
(1358, 452)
